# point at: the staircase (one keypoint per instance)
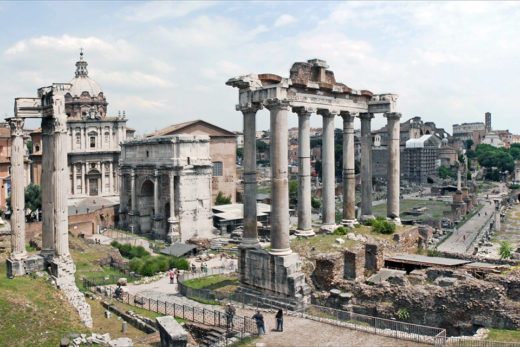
(63, 275)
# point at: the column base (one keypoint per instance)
(282, 251)
(396, 221)
(304, 233)
(351, 223)
(47, 254)
(249, 243)
(366, 217)
(328, 228)
(15, 267)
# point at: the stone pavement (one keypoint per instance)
(462, 238)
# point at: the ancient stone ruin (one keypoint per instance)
(310, 88)
(49, 105)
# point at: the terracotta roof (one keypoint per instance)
(177, 128)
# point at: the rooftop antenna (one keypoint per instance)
(81, 53)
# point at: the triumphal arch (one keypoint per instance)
(310, 89)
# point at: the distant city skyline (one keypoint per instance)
(167, 62)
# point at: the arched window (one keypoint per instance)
(217, 168)
(78, 138)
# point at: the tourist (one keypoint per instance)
(119, 292)
(193, 268)
(259, 319)
(279, 320)
(177, 275)
(202, 267)
(172, 276)
(230, 314)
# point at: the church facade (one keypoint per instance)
(93, 140)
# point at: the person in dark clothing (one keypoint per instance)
(260, 325)
(279, 320)
(230, 314)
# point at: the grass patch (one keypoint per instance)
(320, 243)
(504, 335)
(212, 282)
(33, 313)
(248, 341)
(435, 209)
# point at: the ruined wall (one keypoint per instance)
(354, 264)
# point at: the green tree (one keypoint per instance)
(293, 189)
(240, 153)
(221, 199)
(506, 250)
(468, 143)
(33, 198)
(261, 146)
(445, 172)
(315, 202)
(402, 314)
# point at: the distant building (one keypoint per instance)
(170, 179)
(93, 140)
(493, 139)
(223, 153)
(420, 158)
(413, 128)
(448, 155)
(487, 116)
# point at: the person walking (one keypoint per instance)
(279, 320)
(193, 268)
(260, 325)
(230, 314)
(172, 276)
(177, 275)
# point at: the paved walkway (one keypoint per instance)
(462, 238)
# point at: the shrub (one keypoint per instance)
(315, 202)
(402, 314)
(163, 263)
(340, 231)
(179, 263)
(136, 264)
(434, 253)
(150, 267)
(506, 250)
(383, 226)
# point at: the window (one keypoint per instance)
(78, 138)
(147, 154)
(217, 168)
(106, 137)
(92, 142)
(36, 148)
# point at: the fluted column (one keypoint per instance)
(304, 173)
(250, 236)
(157, 216)
(47, 184)
(172, 221)
(61, 179)
(17, 190)
(279, 182)
(328, 173)
(73, 190)
(111, 178)
(349, 174)
(83, 179)
(394, 172)
(133, 202)
(366, 166)
(102, 180)
(123, 204)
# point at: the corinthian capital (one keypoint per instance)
(249, 108)
(277, 104)
(16, 125)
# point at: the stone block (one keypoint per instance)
(172, 333)
(15, 268)
(354, 264)
(121, 342)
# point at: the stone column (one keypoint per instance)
(133, 203)
(61, 180)
(73, 190)
(366, 166)
(328, 171)
(349, 174)
(394, 172)
(157, 215)
(123, 204)
(111, 178)
(17, 190)
(102, 180)
(304, 173)
(250, 236)
(172, 220)
(85, 147)
(279, 182)
(47, 184)
(83, 178)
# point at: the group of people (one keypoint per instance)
(174, 275)
(258, 318)
(260, 324)
(203, 268)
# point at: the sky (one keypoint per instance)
(167, 62)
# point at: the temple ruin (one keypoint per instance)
(310, 89)
(49, 105)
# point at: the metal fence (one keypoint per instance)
(480, 343)
(238, 324)
(379, 326)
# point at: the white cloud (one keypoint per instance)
(154, 10)
(283, 20)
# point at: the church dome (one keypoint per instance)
(82, 83)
